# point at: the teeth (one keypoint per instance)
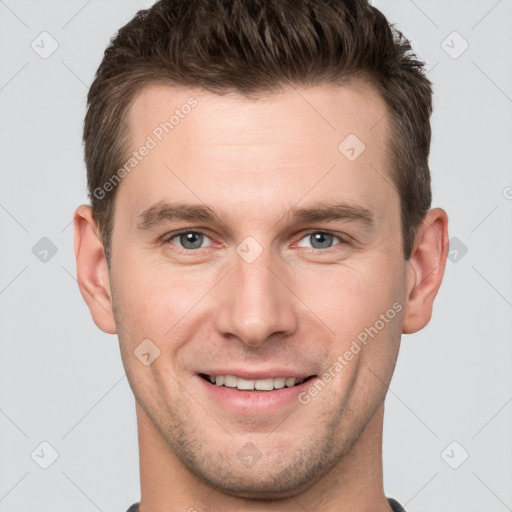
(290, 381)
(230, 381)
(265, 384)
(269, 384)
(244, 384)
(279, 382)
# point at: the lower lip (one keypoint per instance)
(254, 402)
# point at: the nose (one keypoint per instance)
(254, 302)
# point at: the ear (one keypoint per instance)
(92, 270)
(425, 270)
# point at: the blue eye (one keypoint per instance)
(189, 240)
(320, 239)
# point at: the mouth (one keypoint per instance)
(258, 385)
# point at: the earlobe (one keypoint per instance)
(92, 270)
(425, 270)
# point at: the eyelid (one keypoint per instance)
(169, 236)
(344, 238)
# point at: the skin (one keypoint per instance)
(298, 305)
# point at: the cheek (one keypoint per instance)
(154, 298)
(348, 298)
(148, 307)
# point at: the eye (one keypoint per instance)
(193, 240)
(189, 240)
(321, 239)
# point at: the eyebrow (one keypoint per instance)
(162, 212)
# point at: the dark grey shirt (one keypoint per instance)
(394, 505)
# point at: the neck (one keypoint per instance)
(354, 484)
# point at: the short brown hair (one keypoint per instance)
(258, 46)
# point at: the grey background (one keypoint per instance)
(61, 378)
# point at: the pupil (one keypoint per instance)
(321, 238)
(191, 240)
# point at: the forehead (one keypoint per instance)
(325, 111)
(296, 145)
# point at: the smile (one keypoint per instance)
(268, 384)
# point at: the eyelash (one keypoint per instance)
(171, 236)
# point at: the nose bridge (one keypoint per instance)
(255, 303)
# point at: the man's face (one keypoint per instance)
(256, 291)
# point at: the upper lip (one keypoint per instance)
(258, 374)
